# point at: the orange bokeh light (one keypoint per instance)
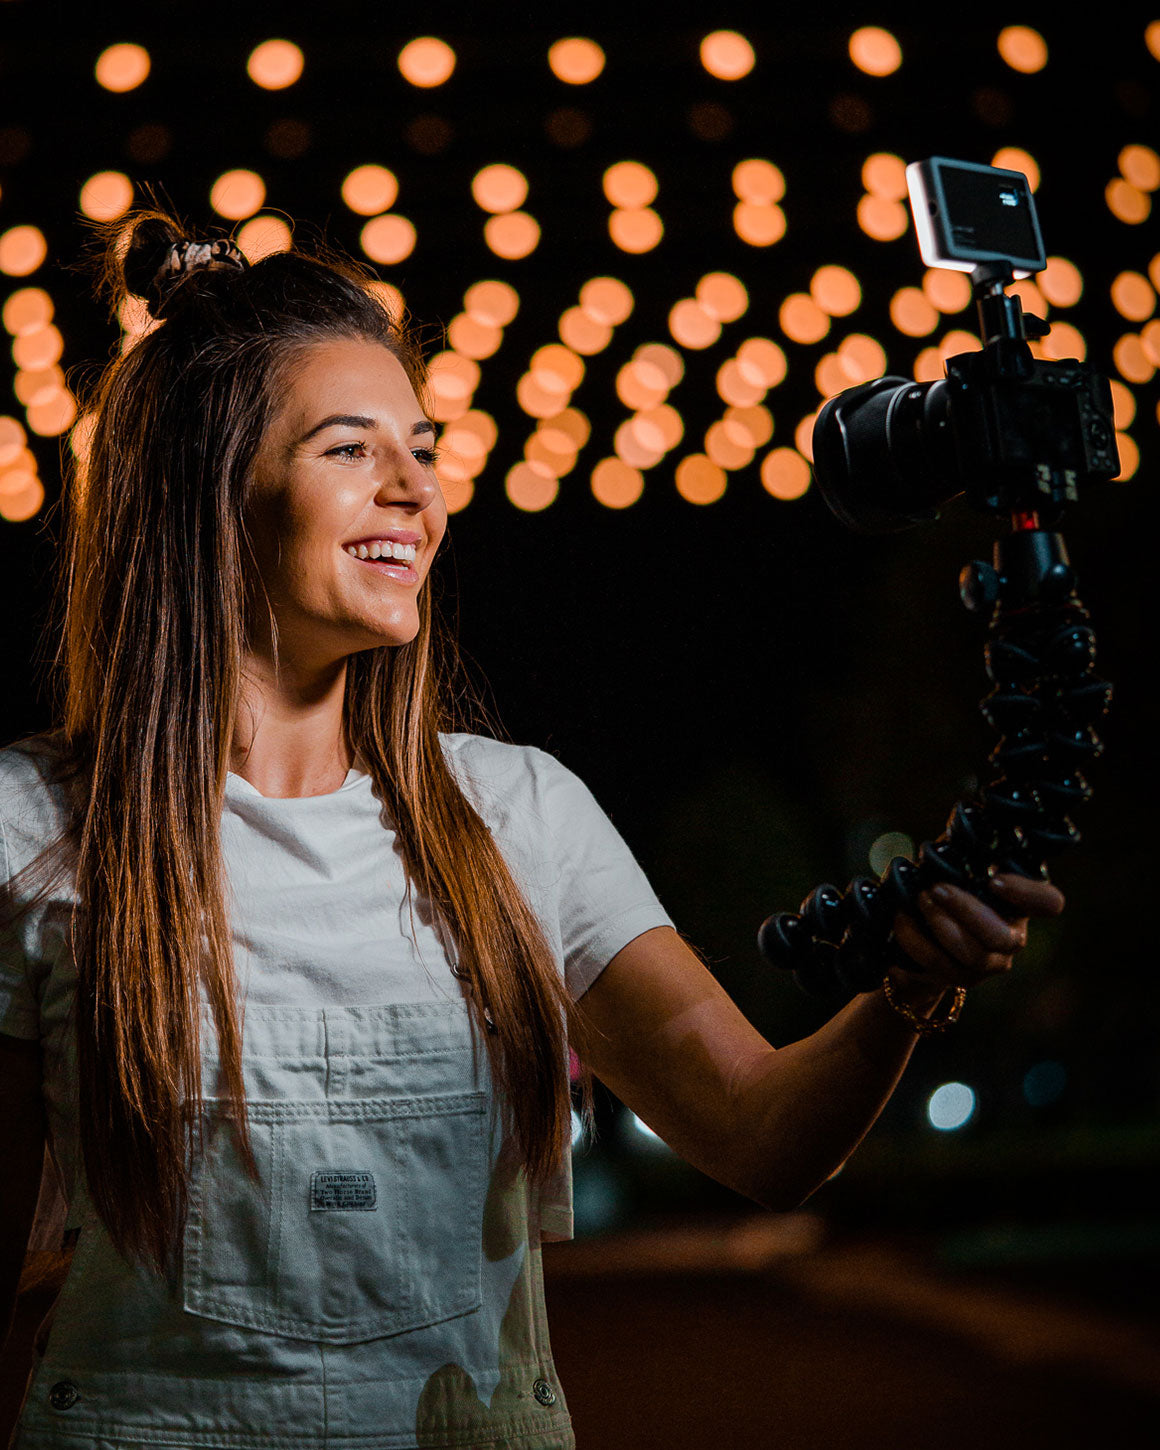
(538, 401)
(27, 310)
(513, 235)
(631, 449)
(946, 290)
(666, 360)
(727, 55)
(582, 333)
(762, 361)
(557, 368)
(758, 180)
(576, 60)
(1140, 167)
(640, 385)
(725, 448)
(736, 387)
(568, 429)
(38, 349)
(106, 195)
(691, 325)
(1022, 48)
(758, 223)
(1061, 282)
(53, 415)
(1133, 296)
(499, 188)
(457, 492)
(785, 474)
(661, 427)
(426, 62)
(370, 189)
(801, 319)
(531, 487)
(389, 238)
(881, 218)
(699, 480)
(607, 300)
(275, 64)
(836, 291)
(862, 358)
(493, 303)
(1126, 202)
(122, 67)
(722, 295)
(473, 338)
(631, 184)
(22, 503)
(913, 313)
(262, 236)
(22, 250)
(875, 51)
(884, 174)
(237, 194)
(635, 229)
(1063, 341)
(752, 425)
(616, 484)
(1131, 360)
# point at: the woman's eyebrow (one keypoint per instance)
(358, 420)
(349, 420)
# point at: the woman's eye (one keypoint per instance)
(425, 455)
(346, 450)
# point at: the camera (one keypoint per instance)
(1011, 432)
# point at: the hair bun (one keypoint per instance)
(159, 258)
(149, 245)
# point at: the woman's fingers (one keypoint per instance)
(1028, 897)
(922, 951)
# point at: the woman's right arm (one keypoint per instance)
(22, 1156)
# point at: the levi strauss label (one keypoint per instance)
(342, 1188)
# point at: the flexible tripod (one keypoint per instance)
(1040, 656)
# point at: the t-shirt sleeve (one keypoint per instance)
(604, 897)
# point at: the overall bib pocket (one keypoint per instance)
(349, 1232)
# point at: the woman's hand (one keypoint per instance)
(968, 941)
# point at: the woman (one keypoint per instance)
(291, 968)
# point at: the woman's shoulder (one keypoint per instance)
(500, 775)
(489, 761)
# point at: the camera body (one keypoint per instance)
(1010, 431)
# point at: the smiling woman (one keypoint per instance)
(323, 1228)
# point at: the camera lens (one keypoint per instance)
(883, 454)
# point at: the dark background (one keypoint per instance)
(752, 692)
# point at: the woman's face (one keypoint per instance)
(347, 463)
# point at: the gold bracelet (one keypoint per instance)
(925, 1025)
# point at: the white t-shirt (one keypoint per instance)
(319, 910)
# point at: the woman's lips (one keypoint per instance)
(400, 570)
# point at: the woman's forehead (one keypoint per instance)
(350, 376)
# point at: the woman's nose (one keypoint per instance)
(410, 484)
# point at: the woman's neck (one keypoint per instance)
(290, 733)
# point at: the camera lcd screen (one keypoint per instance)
(967, 215)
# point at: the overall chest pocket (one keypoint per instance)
(365, 1219)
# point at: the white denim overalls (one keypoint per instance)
(337, 1301)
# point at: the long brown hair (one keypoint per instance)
(157, 583)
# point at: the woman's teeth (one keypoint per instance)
(384, 550)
